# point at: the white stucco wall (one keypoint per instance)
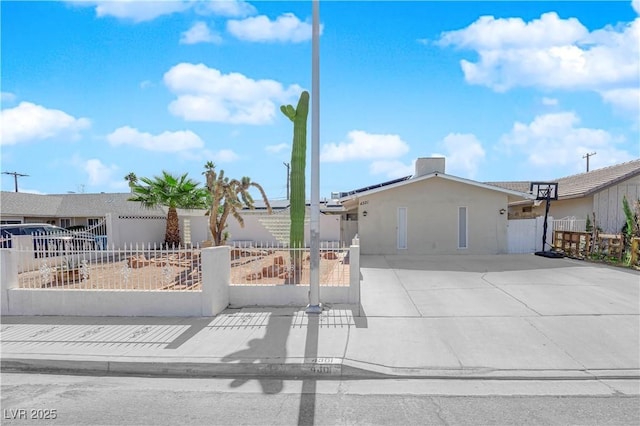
(432, 219)
(254, 230)
(578, 207)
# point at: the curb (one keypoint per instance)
(320, 369)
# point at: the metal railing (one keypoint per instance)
(44, 261)
(570, 224)
(270, 264)
(134, 267)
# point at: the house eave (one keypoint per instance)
(522, 195)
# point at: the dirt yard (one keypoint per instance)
(183, 272)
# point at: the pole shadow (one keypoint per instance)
(273, 346)
(307, 408)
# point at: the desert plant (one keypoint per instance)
(227, 197)
(631, 226)
(297, 178)
(174, 192)
(132, 179)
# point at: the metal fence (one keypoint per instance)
(134, 267)
(272, 264)
(570, 224)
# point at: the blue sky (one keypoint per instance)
(93, 90)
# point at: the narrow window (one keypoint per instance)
(402, 228)
(462, 227)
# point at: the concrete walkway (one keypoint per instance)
(508, 317)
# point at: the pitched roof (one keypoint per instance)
(73, 205)
(97, 205)
(408, 180)
(583, 184)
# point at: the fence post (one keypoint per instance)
(354, 275)
(8, 276)
(635, 250)
(216, 277)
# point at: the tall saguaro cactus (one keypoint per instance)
(298, 162)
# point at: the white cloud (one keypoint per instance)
(199, 33)
(549, 101)
(635, 4)
(28, 122)
(222, 156)
(625, 100)
(205, 94)
(179, 141)
(392, 168)
(225, 156)
(227, 8)
(491, 34)
(145, 10)
(98, 172)
(135, 10)
(364, 146)
(274, 149)
(464, 153)
(550, 53)
(7, 97)
(556, 140)
(146, 84)
(286, 28)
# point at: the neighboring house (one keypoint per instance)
(431, 213)
(104, 214)
(598, 191)
(127, 222)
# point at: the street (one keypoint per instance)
(90, 400)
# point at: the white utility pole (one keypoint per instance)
(314, 287)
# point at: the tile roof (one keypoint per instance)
(97, 205)
(583, 184)
(72, 205)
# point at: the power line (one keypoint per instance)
(15, 178)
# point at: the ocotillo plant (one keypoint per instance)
(298, 162)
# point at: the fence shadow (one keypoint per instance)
(166, 333)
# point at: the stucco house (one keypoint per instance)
(120, 222)
(581, 195)
(111, 216)
(431, 212)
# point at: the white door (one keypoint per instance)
(402, 228)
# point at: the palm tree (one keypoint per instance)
(132, 179)
(226, 197)
(174, 192)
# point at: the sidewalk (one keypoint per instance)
(437, 331)
(288, 343)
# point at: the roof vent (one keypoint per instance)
(426, 166)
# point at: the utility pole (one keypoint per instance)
(314, 285)
(587, 157)
(15, 178)
(288, 166)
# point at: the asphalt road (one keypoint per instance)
(77, 400)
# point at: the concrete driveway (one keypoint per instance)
(503, 312)
(495, 286)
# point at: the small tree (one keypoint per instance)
(227, 197)
(174, 192)
(631, 226)
(132, 179)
